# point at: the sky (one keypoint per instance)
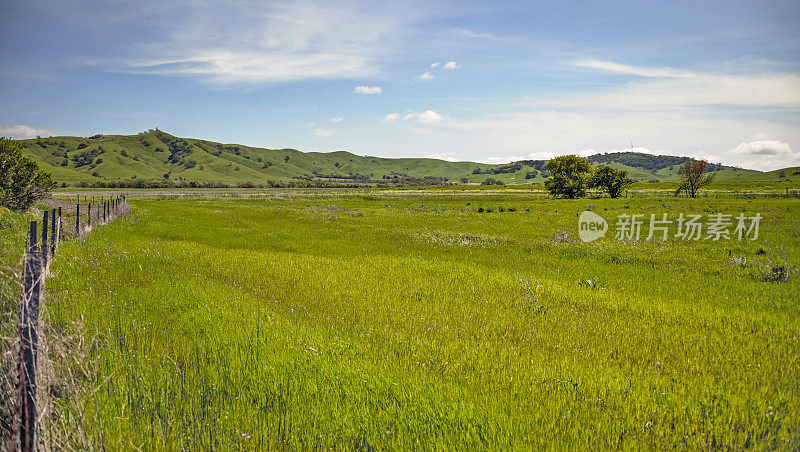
(479, 81)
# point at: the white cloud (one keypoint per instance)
(426, 117)
(625, 69)
(426, 76)
(22, 131)
(495, 160)
(435, 65)
(337, 119)
(764, 147)
(392, 117)
(467, 33)
(451, 65)
(265, 42)
(323, 132)
(447, 156)
(368, 90)
(675, 89)
(765, 155)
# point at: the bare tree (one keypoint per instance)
(693, 177)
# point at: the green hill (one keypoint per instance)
(157, 155)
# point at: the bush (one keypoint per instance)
(610, 180)
(21, 181)
(490, 181)
(568, 176)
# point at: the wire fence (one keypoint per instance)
(36, 264)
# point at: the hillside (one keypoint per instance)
(157, 155)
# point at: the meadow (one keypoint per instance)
(426, 320)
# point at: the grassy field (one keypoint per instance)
(384, 320)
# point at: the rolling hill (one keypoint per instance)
(157, 155)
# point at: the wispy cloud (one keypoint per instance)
(467, 33)
(368, 90)
(668, 88)
(425, 117)
(323, 132)
(447, 156)
(435, 65)
(337, 119)
(625, 69)
(23, 131)
(451, 65)
(426, 76)
(272, 42)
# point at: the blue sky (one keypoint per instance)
(480, 81)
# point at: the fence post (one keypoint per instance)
(104, 211)
(45, 247)
(60, 234)
(77, 219)
(53, 233)
(29, 338)
(89, 215)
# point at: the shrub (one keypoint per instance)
(610, 180)
(21, 181)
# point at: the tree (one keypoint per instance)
(568, 176)
(693, 177)
(21, 181)
(490, 181)
(610, 180)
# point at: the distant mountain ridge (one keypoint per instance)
(157, 155)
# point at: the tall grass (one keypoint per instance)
(414, 321)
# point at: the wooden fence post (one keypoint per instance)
(89, 216)
(60, 234)
(45, 246)
(53, 232)
(104, 211)
(77, 219)
(29, 338)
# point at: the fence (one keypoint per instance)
(35, 267)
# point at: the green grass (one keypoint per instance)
(401, 321)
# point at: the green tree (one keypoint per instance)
(694, 177)
(568, 176)
(610, 180)
(21, 181)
